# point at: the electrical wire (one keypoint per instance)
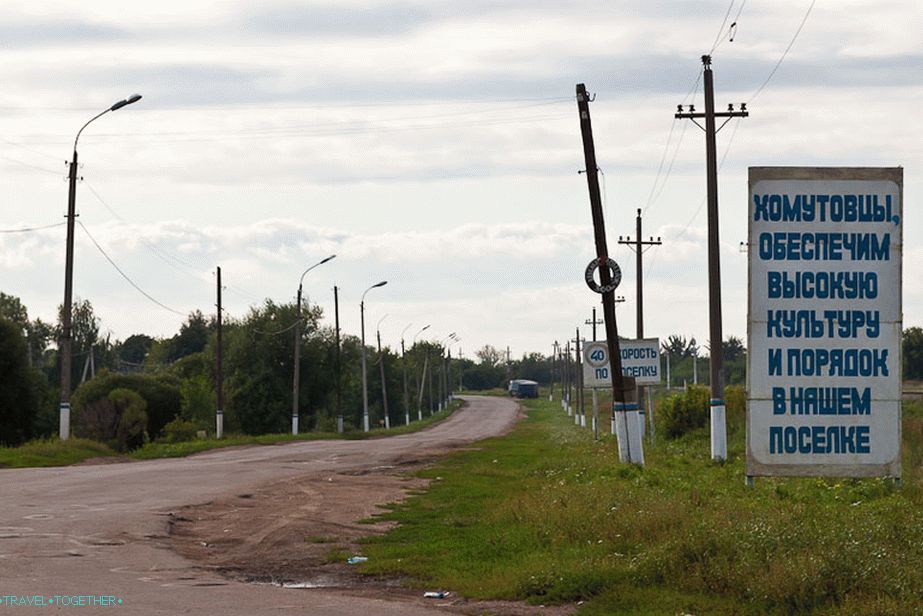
(30, 229)
(721, 29)
(171, 260)
(784, 53)
(30, 166)
(281, 331)
(124, 275)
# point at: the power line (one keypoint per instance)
(28, 149)
(29, 229)
(721, 29)
(337, 105)
(171, 260)
(124, 275)
(652, 198)
(698, 210)
(324, 130)
(784, 53)
(31, 166)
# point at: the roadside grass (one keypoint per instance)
(54, 452)
(548, 515)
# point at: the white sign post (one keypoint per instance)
(824, 326)
(640, 359)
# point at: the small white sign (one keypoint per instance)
(640, 359)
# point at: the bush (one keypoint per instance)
(682, 413)
(118, 420)
(179, 430)
(160, 393)
(735, 399)
(132, 428)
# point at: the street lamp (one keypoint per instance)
(365, 389)
(422, 379)
(404, 368)
(297, 377)
(443, 385)
(67, 316)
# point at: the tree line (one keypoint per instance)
(144, 387)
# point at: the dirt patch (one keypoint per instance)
(299, 532)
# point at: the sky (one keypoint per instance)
(435, 145)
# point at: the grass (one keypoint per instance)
(54, 452)
(548, 515)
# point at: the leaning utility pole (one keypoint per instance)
(630, 445)
(718, 424)
(219, 375)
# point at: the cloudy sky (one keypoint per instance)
(431, 144)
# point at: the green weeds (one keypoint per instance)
(548, 515)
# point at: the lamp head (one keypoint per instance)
(134, 98)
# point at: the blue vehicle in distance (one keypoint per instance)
(523, 388)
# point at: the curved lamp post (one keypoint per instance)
(365, 389)
(297, 377)
(443, 383)
(67, 316)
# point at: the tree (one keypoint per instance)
(490, 356)
(18, 401)
(677, 347)
(84, 335)
(135, 348)
(192, 337)
(38, 333)
(912, 346)
(12, 310)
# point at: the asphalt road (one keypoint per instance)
(101, 530)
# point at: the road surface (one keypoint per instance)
(100, 531)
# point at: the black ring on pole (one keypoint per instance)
(614, 270)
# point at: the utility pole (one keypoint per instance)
(593, 322)
(567, 377)
(336, 312)
(422, 385)
(630, 444)
(296, 375)
(384, 389)
(219, 375)
(406, 394)
(580, 415)
(717, 406)
(554, 357)
(638, 245)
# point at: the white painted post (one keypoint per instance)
(64, 421)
